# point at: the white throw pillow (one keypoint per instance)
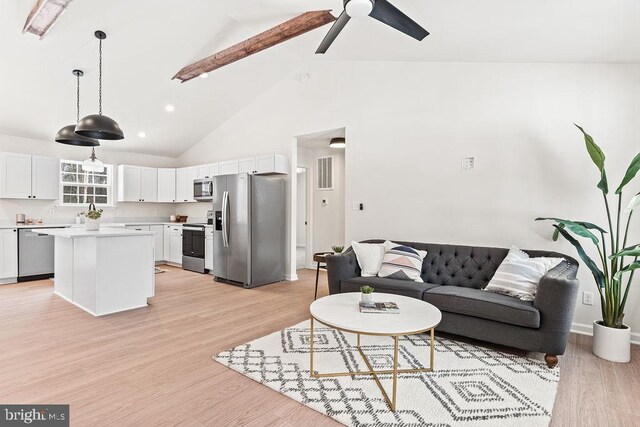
(369, 256)
(518, 275)
(402, 262)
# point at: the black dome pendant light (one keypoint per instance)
(67, 135)
(99, 126)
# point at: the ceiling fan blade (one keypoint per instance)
(388, 14)
(271, 37)
(333, 32)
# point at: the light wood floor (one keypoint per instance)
(153, 366)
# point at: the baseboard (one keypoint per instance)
(583, 329)
(291, 277)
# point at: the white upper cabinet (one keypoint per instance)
(45, 177)
(23, 176)
(184, 184)
(207, 171)
(149, 185)
(247, 165)
(272, 163)
(166, 185)
(229, 167)
(137, 184)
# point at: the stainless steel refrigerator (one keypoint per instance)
(249, 229)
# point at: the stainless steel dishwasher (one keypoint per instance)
(35, 254)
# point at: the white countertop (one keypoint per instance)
(73, 233)
(105, 224)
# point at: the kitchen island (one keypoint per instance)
(104, 271)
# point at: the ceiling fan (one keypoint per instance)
(381, 10)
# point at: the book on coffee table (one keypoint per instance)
(379, 307)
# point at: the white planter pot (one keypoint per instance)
(612, 343)
(366, 298)
(92, 224)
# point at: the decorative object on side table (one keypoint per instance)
(611, 337)
(366, 294)
(337, 249)
(92, 223)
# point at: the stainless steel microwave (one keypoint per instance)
(203, 189)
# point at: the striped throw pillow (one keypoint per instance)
(401, 262)
(518, 275)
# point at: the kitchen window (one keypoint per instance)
(79, 188)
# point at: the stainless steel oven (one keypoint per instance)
(193, 247)
(203, 190)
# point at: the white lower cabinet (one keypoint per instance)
(158, 234)
(8, 255)
(173, 243)
(208, 248)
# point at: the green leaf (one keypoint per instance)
(575, 227)
(633, 169)
(598, 158)
(630, 251)
(597, 273)
(556, 233)
(633, 266)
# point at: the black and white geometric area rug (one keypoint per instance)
(470, 385)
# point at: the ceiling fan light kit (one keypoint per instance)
(380, 10)
(99, 126)
(358, 8)
(67, 135)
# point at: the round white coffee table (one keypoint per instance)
(342, 312)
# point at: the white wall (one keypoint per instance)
(407, 136)
(48, 210)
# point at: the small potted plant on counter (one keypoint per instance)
(337, 249)
(366, 295)
(92, 223)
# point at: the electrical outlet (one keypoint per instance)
(468, 163)
(52, 211)
(357, 206)
(587, 298)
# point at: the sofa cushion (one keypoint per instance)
(486, 305)
(386, 285)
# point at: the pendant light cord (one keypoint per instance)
(100, 79)
(77, 98)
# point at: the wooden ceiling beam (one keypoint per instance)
(43, 15)
(287, 30)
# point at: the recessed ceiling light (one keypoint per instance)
(204, 75)
(170, 108)
(142, 135)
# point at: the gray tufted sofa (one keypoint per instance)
(454, 277)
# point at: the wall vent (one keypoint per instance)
(325, 173)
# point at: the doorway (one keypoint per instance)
(320, 195)
(302, 217)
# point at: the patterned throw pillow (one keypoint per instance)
(518, 275)
(402, 262)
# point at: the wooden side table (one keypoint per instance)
(319, 258)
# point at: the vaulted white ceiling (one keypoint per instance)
(149, 40)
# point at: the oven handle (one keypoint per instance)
(225, 219)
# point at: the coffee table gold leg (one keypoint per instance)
(395, 373)
(311, 351)
(432, 341)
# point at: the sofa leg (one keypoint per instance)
(551, 359)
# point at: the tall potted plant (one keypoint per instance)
(616, 263)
